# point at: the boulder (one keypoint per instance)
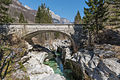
(97, 68)
(68, 53)
(54, 77)
(19, 75)
(35, 67)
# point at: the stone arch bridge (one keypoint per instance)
(27, 31)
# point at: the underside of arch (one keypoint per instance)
(29, 37)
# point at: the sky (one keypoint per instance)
(64, 8)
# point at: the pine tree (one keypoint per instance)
(43, 15)
(4, 6)
(38, 15)
(78, 18)
(22, 19)
(95, 16)
(49, 17)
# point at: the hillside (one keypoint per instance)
(16, 8)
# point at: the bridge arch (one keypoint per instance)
(28, 37)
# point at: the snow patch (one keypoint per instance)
(27, 7)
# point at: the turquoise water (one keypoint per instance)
(57, 66)
(54, 65)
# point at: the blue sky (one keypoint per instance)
(64, 8)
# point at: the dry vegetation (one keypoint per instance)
(12, 49)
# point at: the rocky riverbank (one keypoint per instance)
(101, 63)
(35, 66)
(37, 70)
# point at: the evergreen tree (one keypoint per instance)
(114, 12)
(4, 6)
(48, 15)
(38, 15)
(95, 16)
(22, 19)
(78, 18)
(43, 15)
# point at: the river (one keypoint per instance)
(58, 67)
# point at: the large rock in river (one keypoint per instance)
(35, 67)
(99, 65)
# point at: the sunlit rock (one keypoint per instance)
(54, 77)
(99, 64)
(35, 67)
(68, 53)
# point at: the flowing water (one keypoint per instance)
(58, 67)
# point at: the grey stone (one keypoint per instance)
(97, 68)
(54, 77)
(35, 67)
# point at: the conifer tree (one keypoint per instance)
(38, 15)
(78, 18)
(22, 19)
(4, 6)
(95, 15)
(43, 15)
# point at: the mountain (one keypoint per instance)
(58, 19)
(16, 8)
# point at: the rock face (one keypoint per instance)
(99, 64)
(102, 63)
(65, 46)
(58, 19)
(35, 67)
(61, 43)
(37, 70)
(16, 8)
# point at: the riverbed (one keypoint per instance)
(58, 67)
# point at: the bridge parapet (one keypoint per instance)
(24, 29)
(27, 31)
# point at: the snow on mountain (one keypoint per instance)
(27, 7)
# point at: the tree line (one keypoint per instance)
(42, 16)
(104, 10)
(100, 13)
